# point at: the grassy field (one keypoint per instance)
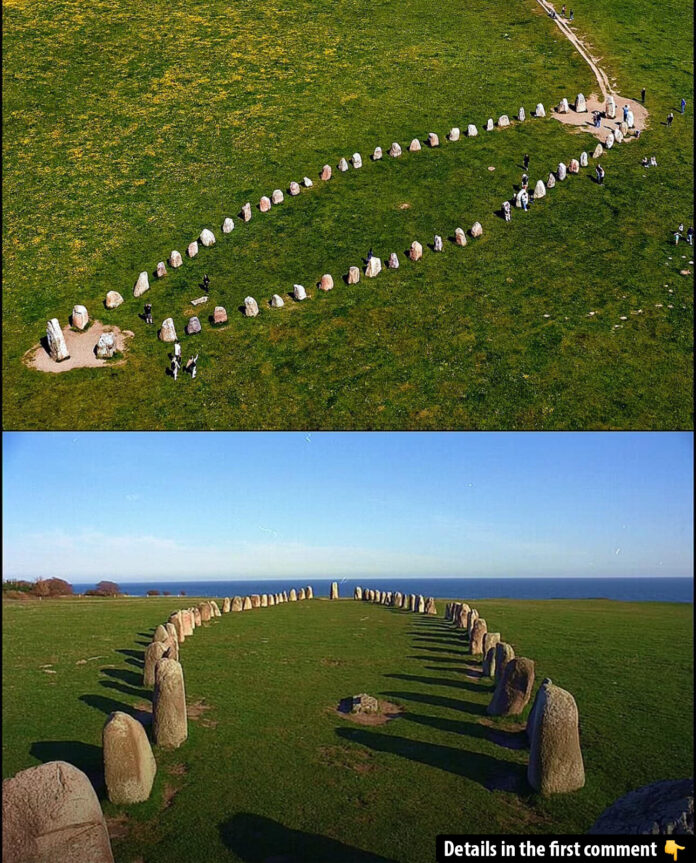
(269, 769)
(128, 130)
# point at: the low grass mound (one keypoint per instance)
(270, 769)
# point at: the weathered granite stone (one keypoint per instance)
(265, 204)
(206, 611)
(357, 593)
(630, 120)
(167, 331)
(535, 706)
(513, 689)
(561, 171)
(414, 146)
(503, 654)
(420, 607)
(610, 108)
(551, 182)
(584, 161)
(609, 142)
(539, 190)
(598, 151)
(207, 238)
(476, 229)
(161, 270)
(307, 183)
(573, 166)
(264, 599)
(437, 243)
(141, 285)
(395, 150)
(228, 226)
(326, 283)
(277, 197)
(193, 326)
(299, 292)
(393, 262)
(309, 592)
(277, 302)
(539, 110)
(503, 121)
(192, 249)
(113, 299)
(188, 621)
(374, 267)
(334, 590)
(198, 620)
(521, 116)
(357, 160)
(246, 604)
(251, 307)
(563, 107)
(362, 703)
(271, 599)
(377, 154)
(433, 140)
(460, 236)
(430, 607)
(245, 212)
(153, 653)
(416, 251)
(618, 136)
(226, 605)
(454, 133)
(343, 165)
(236, 603)
(256, 600)
(661, 809)
(490, 125)
(169, 721)
(479, 629)
(488, 666)
(129, 765)
(105, 347)
(580, 104)
(175, 259)
(555, 758)
(216, 608)
(294, 188)
(471, 131)
(326, 172)
(353, 275)
(220, 315)
(624, 128)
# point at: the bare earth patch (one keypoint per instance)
(358, 760)
(197, 709)
(81, 346)
(583, 122)
(387, 711)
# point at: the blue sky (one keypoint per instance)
(144, 506)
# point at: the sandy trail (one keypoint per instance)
(81, 347)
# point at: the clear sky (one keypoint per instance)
(135, 507)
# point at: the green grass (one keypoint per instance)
(129, 130)
(269, 768)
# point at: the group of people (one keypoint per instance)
(649, 163)
(191, 366)
(679, 235)
(570, 17)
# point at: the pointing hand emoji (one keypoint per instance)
(672, 848)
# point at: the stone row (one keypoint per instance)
(395, 599)
(555, 757)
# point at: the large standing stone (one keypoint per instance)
(437, 243)
(584, 161)
(377, 154)
(460, 236)
(476, 229)
(167, 331)
(357, 160)
(51, 814)
(420, 606)
(265, 204)
(161, 633)
(277, 197)
(197, 619)
(490, 125)
(618, 136)
(454, 133)
(113, 299)
(334, 590)
(129, 765)
(175, 259)
(624, 128)
(551, 182)
(478, 631)
(539, 110)
(236, 603)
(357, 593)
(246, 605)
(246, 212)
(504, 652)
(142, 284)
(251, 307)
(309, 593)
(430, 607)
(169, 722)
(598, 151)
(414, 146)
(580, 104)
(343, 165)
(307, 183)
(513, 689)
(192, 249)
(220, 315)
(193, 326)
(521, 116)
(610, 108)
(216, 608)
(471, 131)
(205, 611)
(271, 599)
(539, 190)
(573, 166)
(503, 121)
(416, 251)
(79, 317)
(264, 599)
(161, 270)
(563, 107)
(326, 283)
(374, 267)
(353, 275)
(555, 758)
(228, 226)
(395, 150)
(106, 346)
(561, 171)
(294, 189)
(207, 238)
(398, 599)
(433, 140)
(609, 143)
(299, 292)
(277, 302)
(153, 653)
(471, 619)
(293, 595)
(393, 262)
(255, 600)
(531, 718)
(490, 641)
(630, 119)
(326, 172)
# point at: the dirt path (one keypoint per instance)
(81, 348)
(594, 103)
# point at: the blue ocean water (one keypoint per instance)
(626, 589)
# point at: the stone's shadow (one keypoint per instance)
(453, 660)
(107, 705)
(452, 726)
(439, 701)
(147, 634)
(123, 674)
(256, 839)
(84, 756)
(506, 738)
(144, 643)
(135, 657)
(437, 681)
(488, 771)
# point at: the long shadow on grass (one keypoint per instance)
(107, 705)
(256, 839)
(440, 701)
(462, 653)
(84, 756)
(438, 681)
(493, 773)
(135, 657)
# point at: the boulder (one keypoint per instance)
(521, 116)
(294, 189)
(661, 808)
(437, 243)
(265, 204)
(563, 107)
(395, 150)
(188, 622)
(264, 599)
(503, 121)
(246, 604)
(610, 108)
(471, 619)
(106, 346)
(206, 611)
(490, 125)
(420, 607)
(167, 331)
(343, 165)
(175, 259)
(503, 654)
(433, 140)
(161, 270)
(277, 197)
(513, 688)
(193, 326)
(454, 133)
(476, 229)
(236, 603)
(624, 128)
(618, 136)
(412, 602)
(573, 166)
(113, 299)
(393, 262)
(326, 283)
(460, 236)
(539, 190)
(580, 104)
(142, 284)
(535, 706)
(245, 212)
(192, 249)
(353, 275)
(597, 152)
(293, 595)
(153, 653)
(309, 593)
(357, 160)
(561, 171)
(299, 292)
(584, 160)
(551, 182)
(51, 814)
(277, 302)
(220, 315)
(471, 131)
(377, 154)
(555, 759)
(326, 172)
(609, 143)
(226, 605)
(251, 307)
(357, 593)
(539, 110)
(216, 608)
(374, 267)
(196, 612)
(307, 183)
(228, 226)
(488, 666)
(256, 600)
(271, 599)
(430, 607)
(207, 238)
(169, 721)
(129, 765)
(630, 120)
(334, 590)
(415, 253)
(161, 634)
(414, 146)
(479, 629)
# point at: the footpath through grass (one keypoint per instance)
(269, 769)
(129, 130)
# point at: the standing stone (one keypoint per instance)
(57, 348)
(264, 600)
(531, 718)
(393, 262)
(307, 183)
(226, 605)
(80, 317)
(207, 238)
(51, 814)
(161, 270)
(255, 600)
(293, 595)
(377, 154)
(618, 136)
(294, 189)
(563, 107)
(353, 275)
(220, 315)
(503, 121)
(416, 251)
(561, 171)
(251, 307)
(167, 331)
(236, 603)
(246, 605)
(573, 166)
(177, 622)
(326, 283)
(161, 634)
(192, 249)
(421, 604)
(555, 759)
(357, 593)
(374, 267)
(437, 243)
(277, 197)
(539, 110)
(198, 620)
(299, 292)
(478, 631)
(398, 597)
(326, 172)
(503, 654)
(153, 653)
(169, 722)
(584, 159)
(521, 116)
(129, 765)
(228, 226)
(277, 302)
(414, 146)
(460, 236)
(193, 326)
(630, 120)
(471, 131)
(597, 152)
(433, 140)
(551, 182)
(412, 602)
(285, 596)
(580, 104)
(309, 593)
(246, 212)
(188, 621)
(609, 143)
(113, 299)
(490, 641)
(490, 125)
(334, 590)
(395, 150)
(454, 133)
(357, 160)
(343, 165)
(430, 607)
(624, 128)
(539, 190)
(513, 688)
(216, 608)
(610, 108)
(271, 600)
(204, 609)
(265, 204)
(476, 229)
(175, 259)
(142, 284)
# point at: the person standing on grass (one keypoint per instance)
(683, 105)
(193, 367)
(148, 313)
(175, 367)
(206, 283)
(571, 15)
(670, 117)
(524, 198)
(563, 10)
(599, 170)
(525, 161)
(177, 350)
(506, 210)
(525, 181)
(642, 95)
(690, 236)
